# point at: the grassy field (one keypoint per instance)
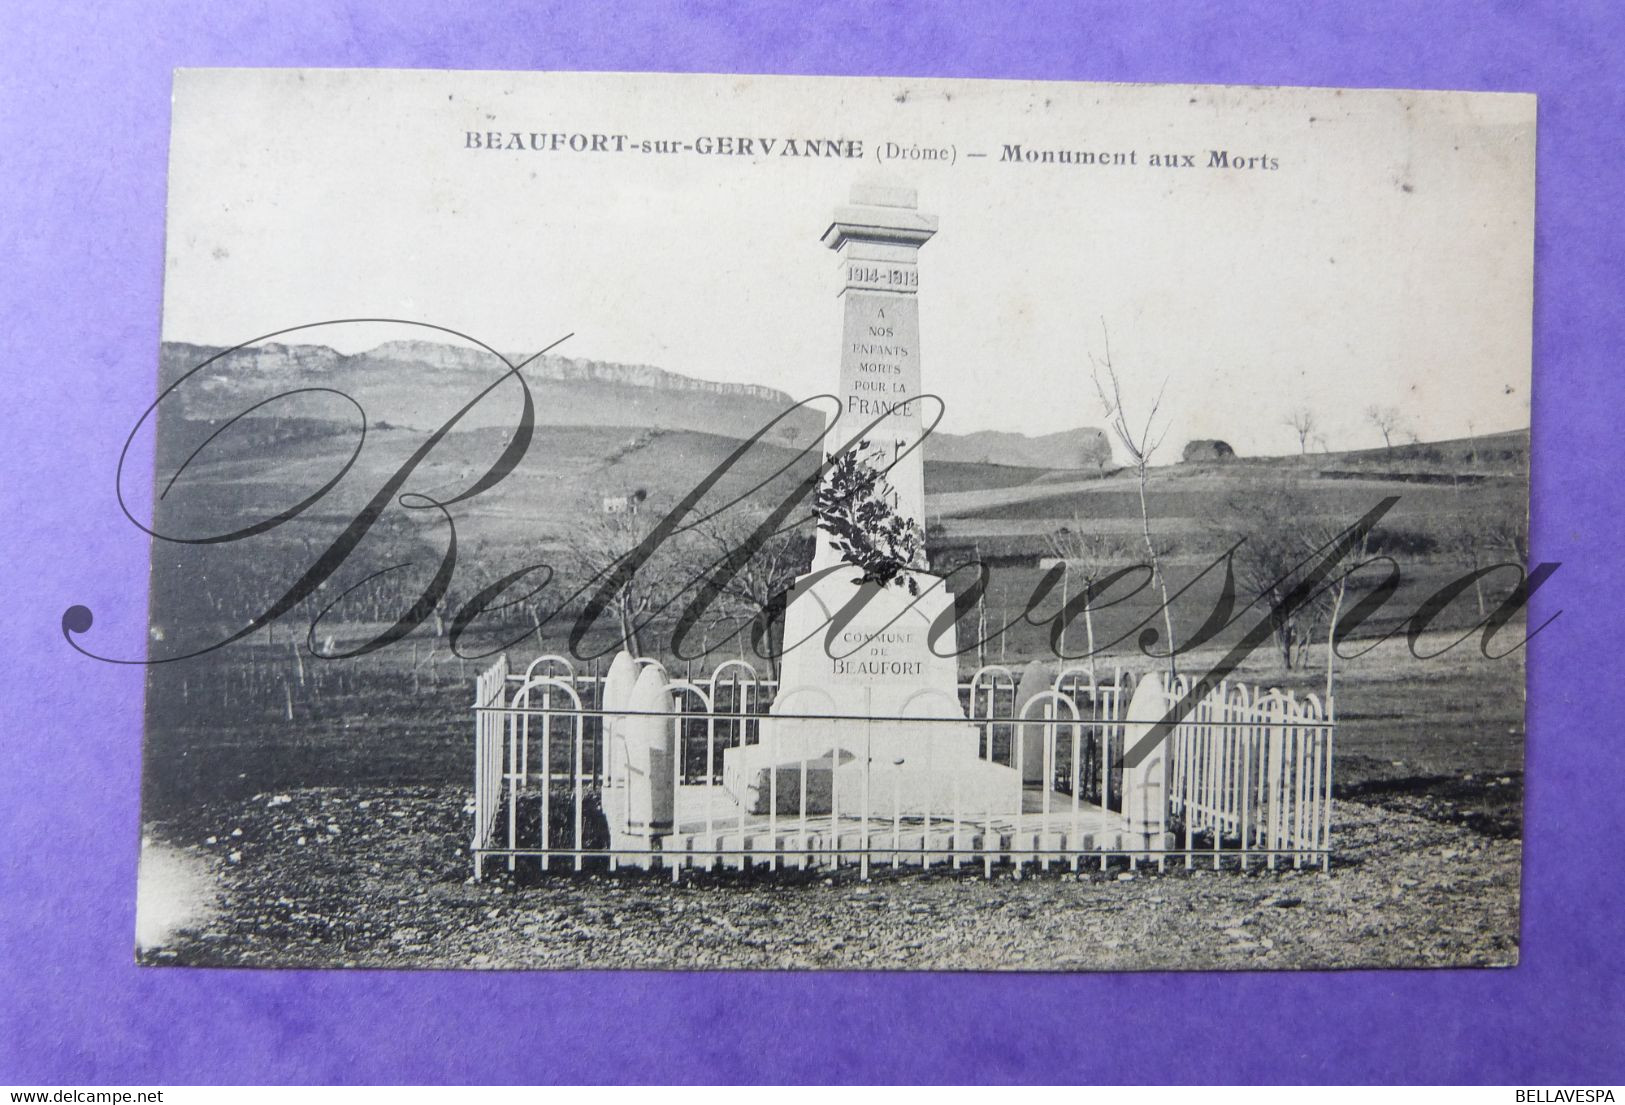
(255, 715)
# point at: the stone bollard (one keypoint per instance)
(646, 740)
(1035, 680)
(617, 695)
(1145, 785)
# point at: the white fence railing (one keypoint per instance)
(489, 724)
(627, 769)
(1255, 770)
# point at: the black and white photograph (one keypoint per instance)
(612, 521)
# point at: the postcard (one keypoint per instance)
(625, 520)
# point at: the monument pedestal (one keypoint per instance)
(858, 663)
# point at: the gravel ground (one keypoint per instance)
(376, 878)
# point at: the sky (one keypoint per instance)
(1385, 260)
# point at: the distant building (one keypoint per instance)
(624, 504)
(1208, 451)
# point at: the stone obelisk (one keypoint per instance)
(877, 655)
(877, 239)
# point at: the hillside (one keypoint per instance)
(608, 431)
(1503, 453)
(1440, 486)
(1085, 448)
(420, 384)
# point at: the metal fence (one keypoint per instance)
(1251, 772)
(489, 723)
(588, 776)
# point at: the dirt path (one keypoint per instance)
(376, 878)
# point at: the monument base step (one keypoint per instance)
(780, 786)
(757, 781)
(1032, 826)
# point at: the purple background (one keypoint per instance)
(83, 138)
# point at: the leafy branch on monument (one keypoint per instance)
(853, 505)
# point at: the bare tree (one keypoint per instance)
(1086, 558)
(1303, 423)
(1280, 541)
(1140, 445)
(1271, 525)
(1479, 537)
(1387, 420)
(1509, 535)
(601, 544)
(1464, 540)
(756, 592)
(1320, 536)
(981, 615)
